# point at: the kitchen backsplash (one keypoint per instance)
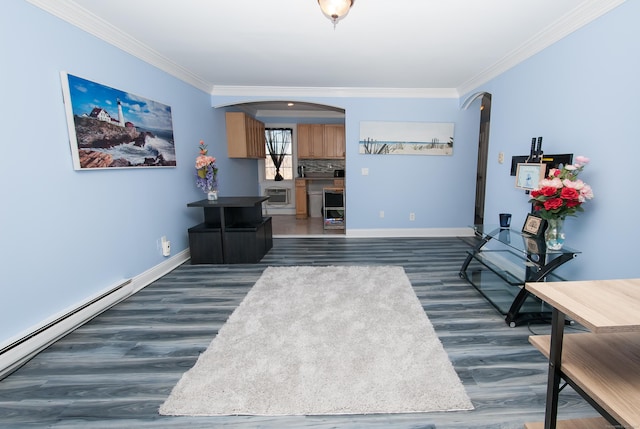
(321, 165)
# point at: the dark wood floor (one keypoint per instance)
(115, 371)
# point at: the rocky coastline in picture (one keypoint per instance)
(102, 144)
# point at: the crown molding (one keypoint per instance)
(326, 114)
(70, 12)
(574, 20)
(353, 92)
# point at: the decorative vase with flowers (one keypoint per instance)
(206, 173)
(559, 195)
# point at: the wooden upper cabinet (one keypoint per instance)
(245, 136)
(321, 141)
(334, 141)
(310, 140)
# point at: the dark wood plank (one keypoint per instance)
(117, 370)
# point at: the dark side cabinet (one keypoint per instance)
(234, 231)
(205, 245)
(248, 243)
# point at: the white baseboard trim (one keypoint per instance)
(411, 232)
(20, 349)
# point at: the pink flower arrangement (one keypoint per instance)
(562, 194)
(206, 170)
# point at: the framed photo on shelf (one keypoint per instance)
(528, 175)
(534, 225)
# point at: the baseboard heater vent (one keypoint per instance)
(15, 354)
(277, 196)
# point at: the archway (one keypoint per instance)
(483, 150)
(302, 119)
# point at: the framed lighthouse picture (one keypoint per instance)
(111, 129)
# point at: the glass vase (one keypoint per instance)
(212, 194)
(554, 234)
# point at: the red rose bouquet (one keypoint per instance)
(562, 193)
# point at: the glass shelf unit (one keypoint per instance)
(503, 261)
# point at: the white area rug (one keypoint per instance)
(323, 340)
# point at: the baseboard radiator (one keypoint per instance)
(19, 351)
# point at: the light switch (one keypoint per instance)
(365, 171)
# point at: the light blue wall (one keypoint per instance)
(581, 95)
(66, 234)
(440, 190)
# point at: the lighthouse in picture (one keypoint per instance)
(120, 115)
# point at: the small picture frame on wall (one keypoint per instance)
(534, 225)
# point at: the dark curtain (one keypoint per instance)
(278, 140)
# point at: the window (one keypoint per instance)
(278, 150)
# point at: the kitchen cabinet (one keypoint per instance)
(334, 141)
(301, 199)
(321, 141)
(302, 205)
(245, 136)
(601, 365)
(310, 141)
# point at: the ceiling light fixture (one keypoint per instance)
(335, 10)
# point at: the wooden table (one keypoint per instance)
(602, 365)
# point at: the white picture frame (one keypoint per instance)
(528, 175)
(406, 138)
(114, 129)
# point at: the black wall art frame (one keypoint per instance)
(111, 129)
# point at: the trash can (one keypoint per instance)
(315, 203)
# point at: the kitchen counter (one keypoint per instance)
(302, 184)
(319, 179)
(317, 176)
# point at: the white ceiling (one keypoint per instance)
(441, 47)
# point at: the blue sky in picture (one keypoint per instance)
(143, 113)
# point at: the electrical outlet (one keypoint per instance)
(381, 214)
(161, 244)
(365, 171)
(412, 216)
(166, 246)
